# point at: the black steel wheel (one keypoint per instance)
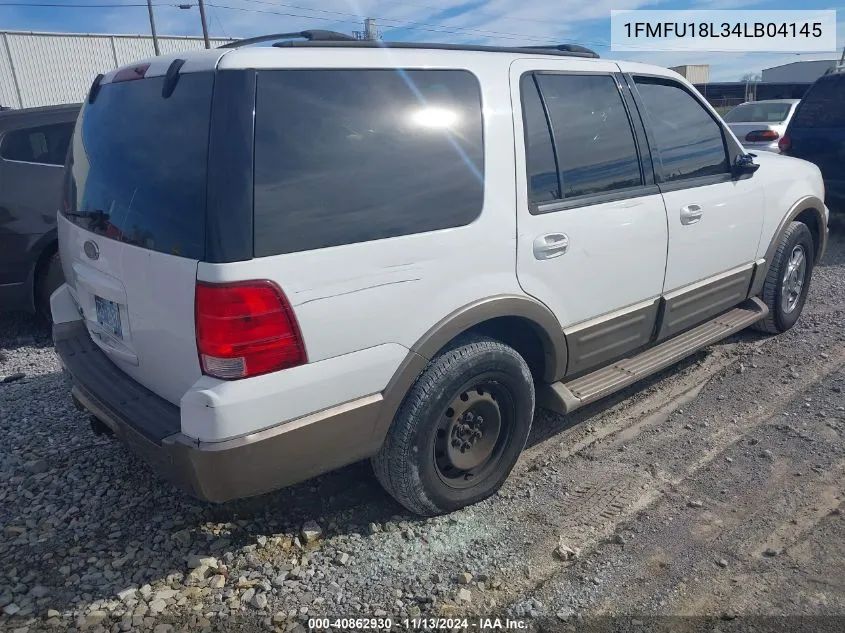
(472, 433)
(460, 428)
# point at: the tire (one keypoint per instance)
(428, 459)
(48, 280)
(779, 290)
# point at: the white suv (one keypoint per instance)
(284, 259)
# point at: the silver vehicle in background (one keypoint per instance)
(759, 125)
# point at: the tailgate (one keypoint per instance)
(132, 228)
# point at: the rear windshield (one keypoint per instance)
(759, 113)
(139, 162)
(824, 104)
(345, 156)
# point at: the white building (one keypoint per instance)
(694, 73)
(798, 72)
(39, 69)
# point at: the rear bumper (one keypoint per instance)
(213, 471)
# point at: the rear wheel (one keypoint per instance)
(48, 280)
(788, 279)
(460, 429)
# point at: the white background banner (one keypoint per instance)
(812, 31)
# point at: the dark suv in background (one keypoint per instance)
(33, 147)
(817, 134)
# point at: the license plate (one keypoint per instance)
(108, 316)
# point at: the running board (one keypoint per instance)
(565, 397)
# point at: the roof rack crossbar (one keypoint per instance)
(314, 35)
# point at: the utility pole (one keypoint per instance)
(204, 23)
(153, 27)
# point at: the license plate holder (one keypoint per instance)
(108, 316)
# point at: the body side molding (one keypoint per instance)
(596, 341)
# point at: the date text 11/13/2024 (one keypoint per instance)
(417, 624)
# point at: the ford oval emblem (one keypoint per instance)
(91, 249)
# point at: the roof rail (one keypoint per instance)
(314, 35)
(563, 50)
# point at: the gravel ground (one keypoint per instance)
(711, 494)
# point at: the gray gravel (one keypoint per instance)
(601, 505)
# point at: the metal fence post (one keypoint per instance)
(12, 68)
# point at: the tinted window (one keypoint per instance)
(139, 164)
(689, 140)
(823, 105)
(761, 112)
(540, 163)
(46, 144)
(593, 137)
(345, 156)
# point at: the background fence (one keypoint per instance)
(39, 69)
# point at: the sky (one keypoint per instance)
(505, 22)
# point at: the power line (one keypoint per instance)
(64, 5)
(399, 24)
(409, 26)
(219, 23)
(510, 18)
(435, 28)
(402, 23)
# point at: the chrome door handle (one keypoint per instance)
(550, 245)
(690, 214)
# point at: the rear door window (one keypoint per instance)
(139, 164)
(593, 137)
(347, 156)
(823, 106)
(44, 144)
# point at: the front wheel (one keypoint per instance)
(460, 429)
(788, 279)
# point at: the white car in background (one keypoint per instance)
(760, 124)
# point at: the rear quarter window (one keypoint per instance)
(823, 106)
(43, 144)
(347, 156)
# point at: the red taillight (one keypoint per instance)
(246, 329)
(761, 136)
(130, 74)
(785, 144)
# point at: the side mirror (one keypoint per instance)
(744, 164)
